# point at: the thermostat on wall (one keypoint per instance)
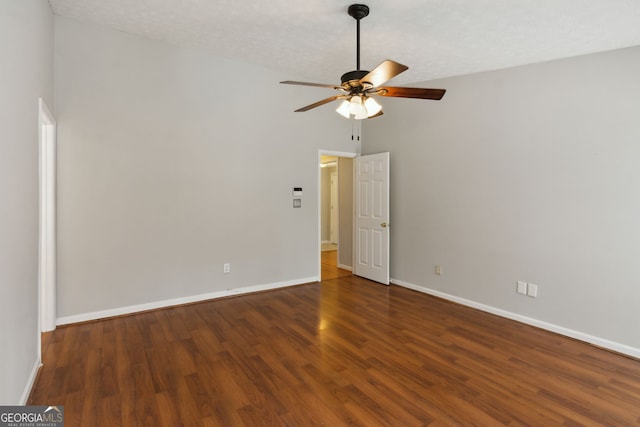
(297, 191)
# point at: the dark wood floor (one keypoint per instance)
(341, 352)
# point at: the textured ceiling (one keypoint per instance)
(315, 39)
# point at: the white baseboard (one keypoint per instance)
(85, 317)
(345, 267)
(600, 342)
(30, 382)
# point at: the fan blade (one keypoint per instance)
(411, 92)
(376, 115)
(383, 73)
(289, 82)
(319, 103)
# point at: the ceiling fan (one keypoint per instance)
(360, 86)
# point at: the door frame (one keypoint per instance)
(321, 153)
(47, 232)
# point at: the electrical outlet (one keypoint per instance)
(532, 290)
(438, 270)
(227, 268)
(521, 288)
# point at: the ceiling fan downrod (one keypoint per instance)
(358, 11)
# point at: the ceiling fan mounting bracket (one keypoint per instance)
(353, 75)
(358, 11)
(352, 82)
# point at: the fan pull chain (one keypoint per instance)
(355, 136)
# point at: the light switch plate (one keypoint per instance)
(521, 287)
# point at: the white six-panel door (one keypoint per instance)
(372, 217)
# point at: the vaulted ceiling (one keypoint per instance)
(315, 39)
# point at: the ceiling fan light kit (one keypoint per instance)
(356, 108)
(359, 86)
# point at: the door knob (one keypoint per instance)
(383, 225)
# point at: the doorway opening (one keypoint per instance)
(335, 226)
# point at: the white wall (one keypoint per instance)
(530, 173)
(173, 162)
(26, 52)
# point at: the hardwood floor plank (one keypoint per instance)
(398, 410)
(164, 401)
(147, 412)
(341, 352)
(108, 411)
(83, 404)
